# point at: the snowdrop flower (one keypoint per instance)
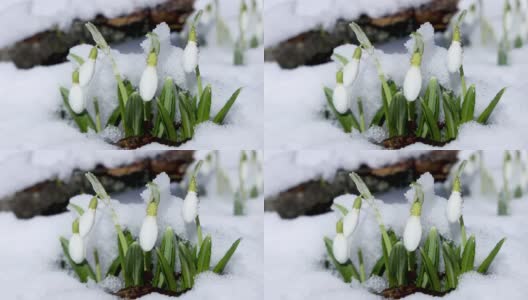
(190, 203)
(455, 53)
(413, 229)
(412, 85)
(190, 53)
(351, 70)
(76, 244)
(350, 221)
(454, 203)
(508, 17)
(340, 95)
(87, 69)
(149, 229)
(76, 96)
(339, 246)
(149, 79)
(87, 219)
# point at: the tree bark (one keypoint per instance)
(316, 46)
(316, 196)
(52, 196)
(51, 46)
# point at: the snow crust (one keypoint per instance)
(287, 18)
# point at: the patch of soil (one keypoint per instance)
(135, 292)
(135, 142)
(404, 291)
(399, 142)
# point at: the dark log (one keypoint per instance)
(51, 196)
(316, 46)
(51, 46)
(315, 196)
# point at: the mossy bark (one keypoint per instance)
(52, 196)
(315, 196)
(52, 45)
(315, 46)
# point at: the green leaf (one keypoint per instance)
(398, 263)
(362, 275)
(134, 115)
(468, 256)
(341, 208)
(168, 100)
(431, 122)
(483, 268)
(379, 267)
(451, 269)
(204, 256)
(115, 118)
(204, 106)
(398, 116)
(168, 250)
(167, 121)
(220, 116)
(187, 126)
(432, 250)
(451, 124)
(379, 118)
(187, 274)
(168, 271)
(468, 106)
(98, 276)
(484, 116)
(115, 268)
(134, 264)
(219, 268)
(83, 270)
(431, 271)
(348, 270)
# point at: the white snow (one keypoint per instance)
(287, 18)
(295, 252)
(21, 238)
(295, 100)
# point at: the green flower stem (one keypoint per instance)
(199, 83)
(362, 125)
(463, 232)
(199, 232)
(147, 110)
(98, 127)
(463, 82)
(98, 276)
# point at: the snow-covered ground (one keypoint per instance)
(294, 250)
(30, 250)
(294, 99)
(31, 100)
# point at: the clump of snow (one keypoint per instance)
(287, 18)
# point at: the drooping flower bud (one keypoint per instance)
(190, 53)
(454, 203)
(339, 245)
(87, 69)
(76, 244)
(149, 229)
(76, 96)
(340, 95)
(413, 229)
(351, 70)
(148, 85)
(190, 203)
(412, 84)
(350, 221)
(88, 218)
(455, 52)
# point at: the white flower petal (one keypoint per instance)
(350, 222)
(350, 72)
(76, 248)
(190, 207)
(340, 248)
(148, 84)
(190, 57)
(340, 98)
(454, 57)
(148, 233)
(86, 72)
(454, 207)
(76, 99)
(412, 85)
(413, 233)
(86, 222)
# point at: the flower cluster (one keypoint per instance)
(134, 111)
(399, 260)
(399, 112)
(136, 258)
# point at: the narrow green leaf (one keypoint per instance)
(134, 264)
(98, 276)
(115, 268)
(168, 249)
(168, 271)
(431, 122)
(187, 274)
(167, 122)
(398, 116)
(134, 115)
(187, 126)
(451, 125)
(451, 270)
(468, 106)
(379, 118)
(431, 271)
(483, 268)
(362, 274)
(204, 256)
(379, 267)
(220, 116)
(484, 116)
(468, 256)
(398, 263)
(219, 268)
(204, 106)
(115, 118)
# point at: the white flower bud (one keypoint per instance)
(76, 99)
(190, 207)
(350, 222)
(340, 98)
(86, 222)
(413, 233)
(454, 57)
(350, 72)
(454, 207)
(76, 248)
(412, 85)
(148, 233)
(149, 83)
(340, 248)
(86, 72)
(190, 57)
